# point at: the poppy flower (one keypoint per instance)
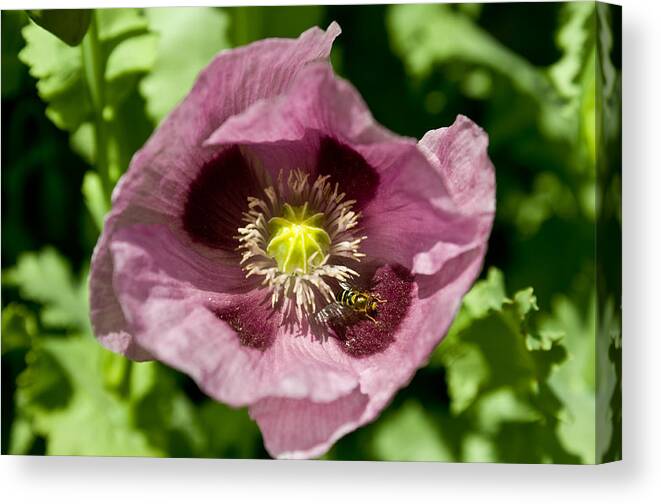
(269, 194)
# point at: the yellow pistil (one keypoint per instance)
(299, 242)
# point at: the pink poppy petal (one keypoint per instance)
(301, 428)
(459, 154)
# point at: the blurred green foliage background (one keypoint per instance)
(515, 379)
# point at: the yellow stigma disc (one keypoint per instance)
(298, 240)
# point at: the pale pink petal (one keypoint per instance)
(300, 428)
(459, 155)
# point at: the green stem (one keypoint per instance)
(244, 22)
(95, 66)
(125, 387)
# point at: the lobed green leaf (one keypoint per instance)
(19, 326)
(46, 278)
(69, 25)
(63, 395)
(187, 41)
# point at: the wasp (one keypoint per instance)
(349, 303)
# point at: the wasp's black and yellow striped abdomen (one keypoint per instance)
(359, 301)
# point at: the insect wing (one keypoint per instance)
(333, 313)
(346, 287)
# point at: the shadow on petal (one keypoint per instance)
(453, 268)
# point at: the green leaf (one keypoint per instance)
(575, 38)
(12, 71)
(487, 295)
(188, 40)
(44, 383)
(63, 395)
(21, 437)
(409, 434)
(69, 25)
(500, 363)
(429, 35)
(164, 413)
(45, 277)
(82, 142)
(94, 198)
(490, 421)
(574, 74)
(504, 405)
(230, 432)
(549, 198)
(128, 52)
(57, 67)
(609, 93)
(525, 302)
(117, 24)
(19, 326)
(426, 35)
(492, 345)
(116, 372)
(132, 55)
(484, 296)
(574, 381)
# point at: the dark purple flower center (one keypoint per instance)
(358, 179)
(252, 322)
(217, 199)
(394, 284)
